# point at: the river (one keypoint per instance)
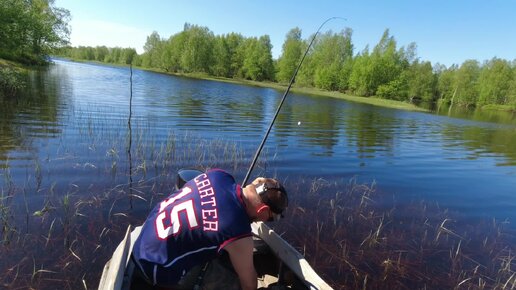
(74, 173)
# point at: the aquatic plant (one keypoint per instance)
(11, 81)
(358, 240)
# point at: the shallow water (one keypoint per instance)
(70, 184)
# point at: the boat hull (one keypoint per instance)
(276, 263)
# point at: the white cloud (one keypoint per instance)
(99, 32)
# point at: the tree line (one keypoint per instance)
(115, 55)
(385, 71)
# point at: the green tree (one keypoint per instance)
(137, 60)
(172, 51)
(466, 80)
(13, 27)
(422, 82)
(361, 74)
(197, 54)
(234, 42)
(292, 51)
(446, 86)
(380, 67)
(221, 57)
(396, 89)
(127, 56)
(153, 48)
(101, 52)
(305, 76)
(512, 88)
(386, 63)
(330, 54)
(265, 60)
(30, 30)
(257, 59)
(494, 82)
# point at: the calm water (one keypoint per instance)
(65, 163)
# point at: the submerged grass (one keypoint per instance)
(356, 243)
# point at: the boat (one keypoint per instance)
(277, 263)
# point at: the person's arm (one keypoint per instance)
(241, 255)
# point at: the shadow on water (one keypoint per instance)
(74, 173)
(32, 114)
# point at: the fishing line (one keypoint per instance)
(259, 150)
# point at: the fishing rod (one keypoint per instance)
(292, 79)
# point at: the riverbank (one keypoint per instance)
(503, 108)
(317, 92)
(11, 77)
(14, 65)
(303, 90)
(375, 101)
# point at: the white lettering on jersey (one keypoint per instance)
(210, 221)
(174, 226)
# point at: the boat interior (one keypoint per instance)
(219, 274)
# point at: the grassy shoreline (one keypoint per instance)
(302, 90)
(13, 65)
(12, 77)
(503, 108)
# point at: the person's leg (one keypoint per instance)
(168, 279)
(191, 278)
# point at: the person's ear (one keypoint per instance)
(263, 212)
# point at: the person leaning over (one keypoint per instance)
(208, 215)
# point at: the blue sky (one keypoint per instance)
(445, 32)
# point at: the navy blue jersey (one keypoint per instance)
(191, 227)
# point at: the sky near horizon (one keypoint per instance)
(447, 32)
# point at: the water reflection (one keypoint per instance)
(314, 122)
(34, 113)
(478, 114)
(482, 142)
(371, 131)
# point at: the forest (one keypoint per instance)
(333, 64)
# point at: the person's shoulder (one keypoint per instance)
(220, 173)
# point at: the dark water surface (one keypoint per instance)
(67, 195)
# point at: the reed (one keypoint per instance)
(38, 175)
(5, 218)
(8, 179)
(368, 243)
